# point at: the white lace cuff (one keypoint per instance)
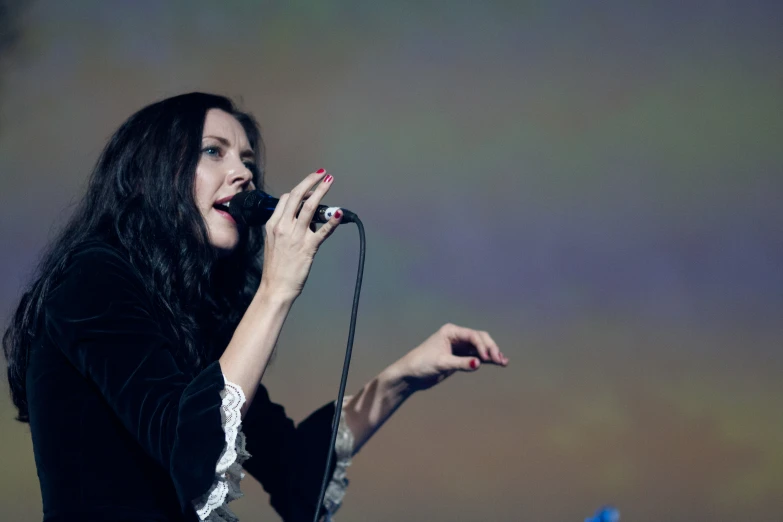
(211, 507)
(343, 448)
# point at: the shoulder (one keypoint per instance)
(96, 271)
(96, 259)
(97, 254)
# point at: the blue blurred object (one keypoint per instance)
(605, 514)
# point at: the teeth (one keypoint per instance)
(227, 203)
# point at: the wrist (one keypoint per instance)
(269, 295)
(396, 378)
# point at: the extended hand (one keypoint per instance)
(448, 350)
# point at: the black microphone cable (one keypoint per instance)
(346, 364)
(254, 208)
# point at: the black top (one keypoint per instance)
(122, 430)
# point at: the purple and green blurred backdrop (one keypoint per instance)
(598, 186)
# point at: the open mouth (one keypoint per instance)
(222, 209)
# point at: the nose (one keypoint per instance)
(238, 173)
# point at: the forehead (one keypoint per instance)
(222, 124)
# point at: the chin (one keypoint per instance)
(224, 243)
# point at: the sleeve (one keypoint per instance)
(100, 316)
(289, 460)
(343, 448)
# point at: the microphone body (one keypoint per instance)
(255, 207)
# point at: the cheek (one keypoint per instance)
(205, 187)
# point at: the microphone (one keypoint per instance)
(255, 207)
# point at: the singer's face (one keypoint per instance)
(224, 169)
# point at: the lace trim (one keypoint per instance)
(343, 448)
(211, 507)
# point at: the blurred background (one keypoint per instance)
(598, 185)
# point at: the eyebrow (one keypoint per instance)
(247, 153)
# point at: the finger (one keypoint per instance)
(492, 349)
(328, 228)
(459, 333)
(304, 198)
(277, 214)
(311, 205)
(464, 364)
(298, 193)
(503, 358)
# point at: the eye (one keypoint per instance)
(212, 150)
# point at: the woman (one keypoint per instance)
(137, 353)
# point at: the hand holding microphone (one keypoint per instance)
(290, 244)
(255, 207)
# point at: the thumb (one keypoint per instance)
(468, 364)
(329, 227)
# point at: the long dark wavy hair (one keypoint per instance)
(141, 199)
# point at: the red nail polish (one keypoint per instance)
(337, 214)
(474, 364)
(328, 178)
(320, 171)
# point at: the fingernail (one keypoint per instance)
(338, 214)
(328, 178)
(474, 363)
(320, 171)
